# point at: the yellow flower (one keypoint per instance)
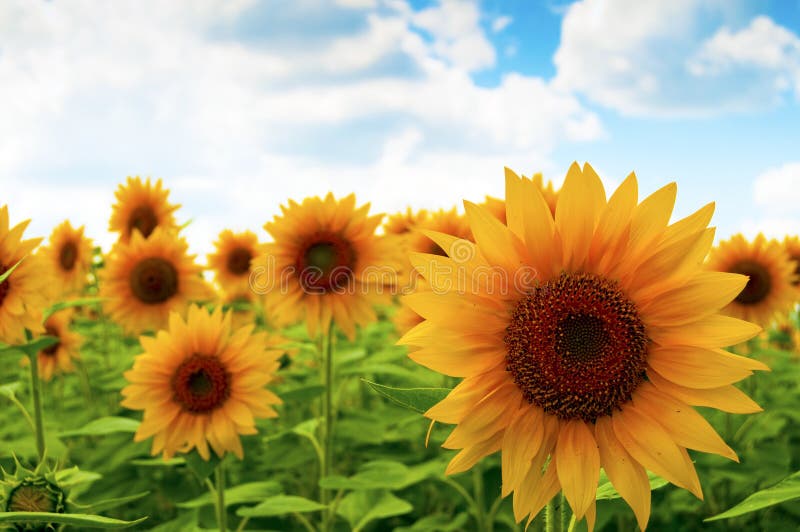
(201, 384)
(69, 256)
(495, 206)
(324, 264)
(231, 261)
(582, 339)
(58, 357)
(147, 279)
(23, 295)
(792, 247)
(402, 223)
(143, 207)
(769, 290)
(441, 221)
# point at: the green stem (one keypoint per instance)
(24, 412)
(242, 524)
(222, 513)
(327, 412)
(565, 512)
(550, 519)
(37, 398)
(304, 521)
(477, 490)
(493, 512)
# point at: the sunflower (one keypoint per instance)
(769, 290)
(69, 256)
(441, 221)
(143, 207)
(201, 384)
(58, 357)
(147, 279)
(23, 294)
(231, 261)
(325, 263)
(582, 340)
(402, 223)
(792, 247)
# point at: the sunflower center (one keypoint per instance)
(68, 255)
(326, 264)
(576, 346)
(5, 286)
(201, 384)
(758, 284)
(35, 495)
(239, 261)
(144, 219)
(50, 351)
(154, 280)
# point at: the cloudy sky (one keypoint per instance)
(241, 104)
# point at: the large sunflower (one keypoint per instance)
(23, 295)
(769, 290)
(325, 264)
(146, 279)
(231, 261)
(582, 340)
(201, 384)
(69, 256)
(58, 357)
(141, 206)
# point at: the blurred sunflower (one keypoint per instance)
(141, 206)
(58, 357)
(441, 221)
(147, 279)
(792, 247)
(325, 264)
(231, 261)
(769, 290)
(23, 295)
(495, 206)
(69, 256)
(605, 331)
(402, 223)
(201, 385)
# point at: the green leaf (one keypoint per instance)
(372, 475)
(786, 490)
(302, 394)
(73, 476)
(103, 426)
(71, 303)
(281, 505)
(32, 347)
(606, 491)
(6, 274)
(108, 504)
(77, 520)
(10, 390)
(250, 492)
(201, 468)
(417, 399)
(158, 462)
(360, 508)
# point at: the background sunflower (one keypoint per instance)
(141, 206)
(69, 258)
(231, 262)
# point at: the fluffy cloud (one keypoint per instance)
(674, 58)
(378, 99)
(776, 192)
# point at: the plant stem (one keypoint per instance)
(550, 519)
(477, 490)
(327, 412)
(565, 512)
(37, 397)
(222, 514)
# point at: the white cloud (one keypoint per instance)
(779, 189)
(501, 23)
(664, 58)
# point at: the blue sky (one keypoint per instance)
(239, 105)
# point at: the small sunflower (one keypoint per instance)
(325, 264)
(23, 295)
(231, 261)
(201, 385)
(69, 256)
(58, 357)
(402, 223)
(147, 279)
(769, 290)
(792, 247)
(141, 206)
(586, 344)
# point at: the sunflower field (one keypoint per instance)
(562, 359)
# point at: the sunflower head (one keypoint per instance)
(58, 357)
(402, 223)
(141, 207)
(583, 338)
(792, 246)
(770, 274)
(325, 263)
(231, 261)
(69, 256)
(146, 279)
(32, 491)
(24, 293)
(201, 385)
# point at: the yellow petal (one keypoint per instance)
(522, 440)
(610, 238)
(577, 213)
(578, 463)
(649, 220)
(695, 367)
(712, 331)
(498, 245)
(469, 456)
(627, 476)
(726, 398)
